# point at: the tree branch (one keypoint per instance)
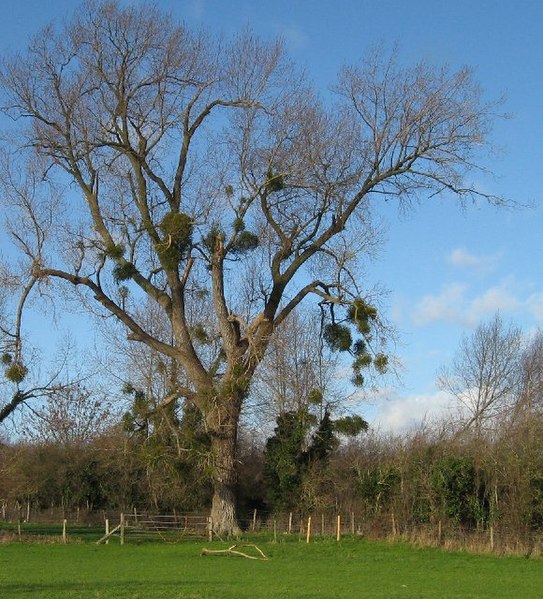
(137, 333)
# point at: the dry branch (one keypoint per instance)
(109, 534)
(231, 551)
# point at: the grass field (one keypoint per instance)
(352, 568)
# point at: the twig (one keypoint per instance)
(231, 551)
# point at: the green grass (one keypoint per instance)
(353, 569)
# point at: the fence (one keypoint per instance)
(171, 528)
(493, 538)
(105, 526)
(137, 526)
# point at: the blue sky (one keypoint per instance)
(446, 269)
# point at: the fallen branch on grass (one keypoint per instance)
(232, 551)
(109, 534)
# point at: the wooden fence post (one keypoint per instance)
(308, 537)
(338, 528)
(254, 520)
(352, 524)
(393, 526)
(122, 528)
(290, 523)
(64, 537)
(322, 525)
(107, 530)
(491, 538)
(210, 528)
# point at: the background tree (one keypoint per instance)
(297, 373)
(173, 448)
(70, 416)
(298, 453)
(458, 492)
(484, 375)
(530, 398)
(202, 168)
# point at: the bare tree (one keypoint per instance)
(530, 399)
(202, 169)
(72, 416)
(485, 373)
(296, 371)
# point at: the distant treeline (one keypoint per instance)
(433, 475)
(480, 470)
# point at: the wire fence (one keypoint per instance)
(134, 526)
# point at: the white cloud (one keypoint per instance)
(453, 305)
(495, 299)
(401, 413)
(446, 305)
(294, 37)
(460, 257)
(534, 304)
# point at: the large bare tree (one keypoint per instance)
(485, 374)
(198, 171)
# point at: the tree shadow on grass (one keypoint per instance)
(134, 589)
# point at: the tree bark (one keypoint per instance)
(223, 507)
(222, 419)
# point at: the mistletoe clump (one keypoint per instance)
(338, 337)
(214, 235)
(245, 242)
(176, 228)
(124, 272)
(16, 372)
(362, 317)
(275, 181)
(115, 250)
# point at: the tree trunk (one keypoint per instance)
(223, 508)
